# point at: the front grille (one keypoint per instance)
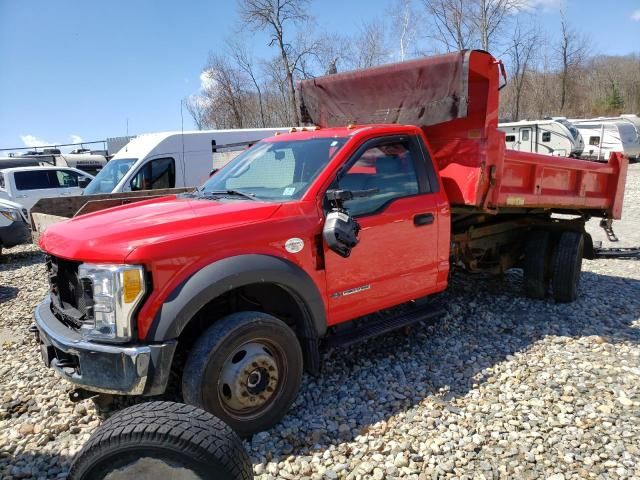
(71, 297)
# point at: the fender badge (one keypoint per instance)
(294, 245)
(351, 291)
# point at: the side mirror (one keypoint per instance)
(340, 232)
(83, 182)
(340, 228)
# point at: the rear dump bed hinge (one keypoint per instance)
(373, 327)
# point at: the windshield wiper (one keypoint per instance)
(238, 193)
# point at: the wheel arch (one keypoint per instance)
(220, 279)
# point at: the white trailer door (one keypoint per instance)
(526, 140)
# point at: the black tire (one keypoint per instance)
(171, 435)
(536, 267)
(218, 373)
(567, 266)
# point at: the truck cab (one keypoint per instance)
(274, 196)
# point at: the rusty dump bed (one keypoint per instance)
(453, 98)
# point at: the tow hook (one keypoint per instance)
(79, 394)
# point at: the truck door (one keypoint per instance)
(397, 257)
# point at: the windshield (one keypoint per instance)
(109, 176)
(275, 171)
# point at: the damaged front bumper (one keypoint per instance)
(99, 367)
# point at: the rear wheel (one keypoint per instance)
(162, 440)
(536, 268)
(245, 369)
(567, 266)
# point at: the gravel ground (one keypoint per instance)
(502, 387)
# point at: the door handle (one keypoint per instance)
(21, 196)
(423, 219)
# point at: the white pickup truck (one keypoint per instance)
(27, 185)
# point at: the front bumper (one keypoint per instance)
(14, 234)
(98, 367)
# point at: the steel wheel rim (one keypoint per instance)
(251, 379)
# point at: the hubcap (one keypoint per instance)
(249, 378)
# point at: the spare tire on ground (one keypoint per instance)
(156, 440)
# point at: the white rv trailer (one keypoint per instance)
(163, 160)
(610, 134)
(557, 137)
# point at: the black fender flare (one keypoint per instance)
(223, 275)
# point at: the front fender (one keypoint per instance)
(223, 275)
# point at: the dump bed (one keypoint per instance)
(453, 98)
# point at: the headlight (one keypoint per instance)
(117, 291)
(11, 214)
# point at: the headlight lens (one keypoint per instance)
(117, 291)
(10, 214)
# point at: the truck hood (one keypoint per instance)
(111, 235)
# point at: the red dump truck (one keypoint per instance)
(316, 238)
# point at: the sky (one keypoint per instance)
(78, 70)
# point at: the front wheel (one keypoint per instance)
(245, 369)
(162, 440)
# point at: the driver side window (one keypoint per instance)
(156, 174)
(389, 169)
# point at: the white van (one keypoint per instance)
(173, 159)
(557, 137)
(27, 185)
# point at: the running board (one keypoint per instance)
(374, 328)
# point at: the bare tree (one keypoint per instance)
(334, 53)
(304, 54)
(521, 50)
(450, 22)
(571, 51)
(246, 64)
(277, 95)
(225, 93)
(489, 16)
(543, 85)
(369, 46)
(273, 16)
(196, 106)
(405, 22)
